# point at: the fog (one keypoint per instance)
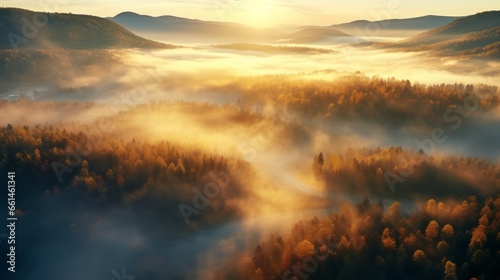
(192, 97)
(205, 70)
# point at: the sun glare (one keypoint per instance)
(258, 13)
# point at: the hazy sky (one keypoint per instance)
(266, 13)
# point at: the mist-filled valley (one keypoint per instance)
(219, 158)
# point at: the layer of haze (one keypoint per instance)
(284, 184)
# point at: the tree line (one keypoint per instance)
(372, 171)
(358, 97)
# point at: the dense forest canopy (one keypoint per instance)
(442, 240)
(111, 172)
(387, 101)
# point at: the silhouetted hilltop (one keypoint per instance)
(28, 29)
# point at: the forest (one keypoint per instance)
(442, 240)
(249, 160)
(108, 172)
(96, 165)
(396, 172)
(358, 97)
(36, 65)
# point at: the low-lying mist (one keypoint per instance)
(178, 73)
(136, 138)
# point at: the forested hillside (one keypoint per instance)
(28, 29)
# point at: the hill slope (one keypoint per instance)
(476, 35)
(65, 31)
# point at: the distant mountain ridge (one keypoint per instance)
(347, 32)
(417, 23)
(389, 27)
(61, 30)
(184, 29)
(193, 30)
(145, 21)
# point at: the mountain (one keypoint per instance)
(476, 35)
(348, 32)
(317, 35)
(28, 29)
(171, 23)
(183, 30)
(393, 27)
(187, 30)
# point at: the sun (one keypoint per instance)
(258, 12)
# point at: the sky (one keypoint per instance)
(262, 13)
